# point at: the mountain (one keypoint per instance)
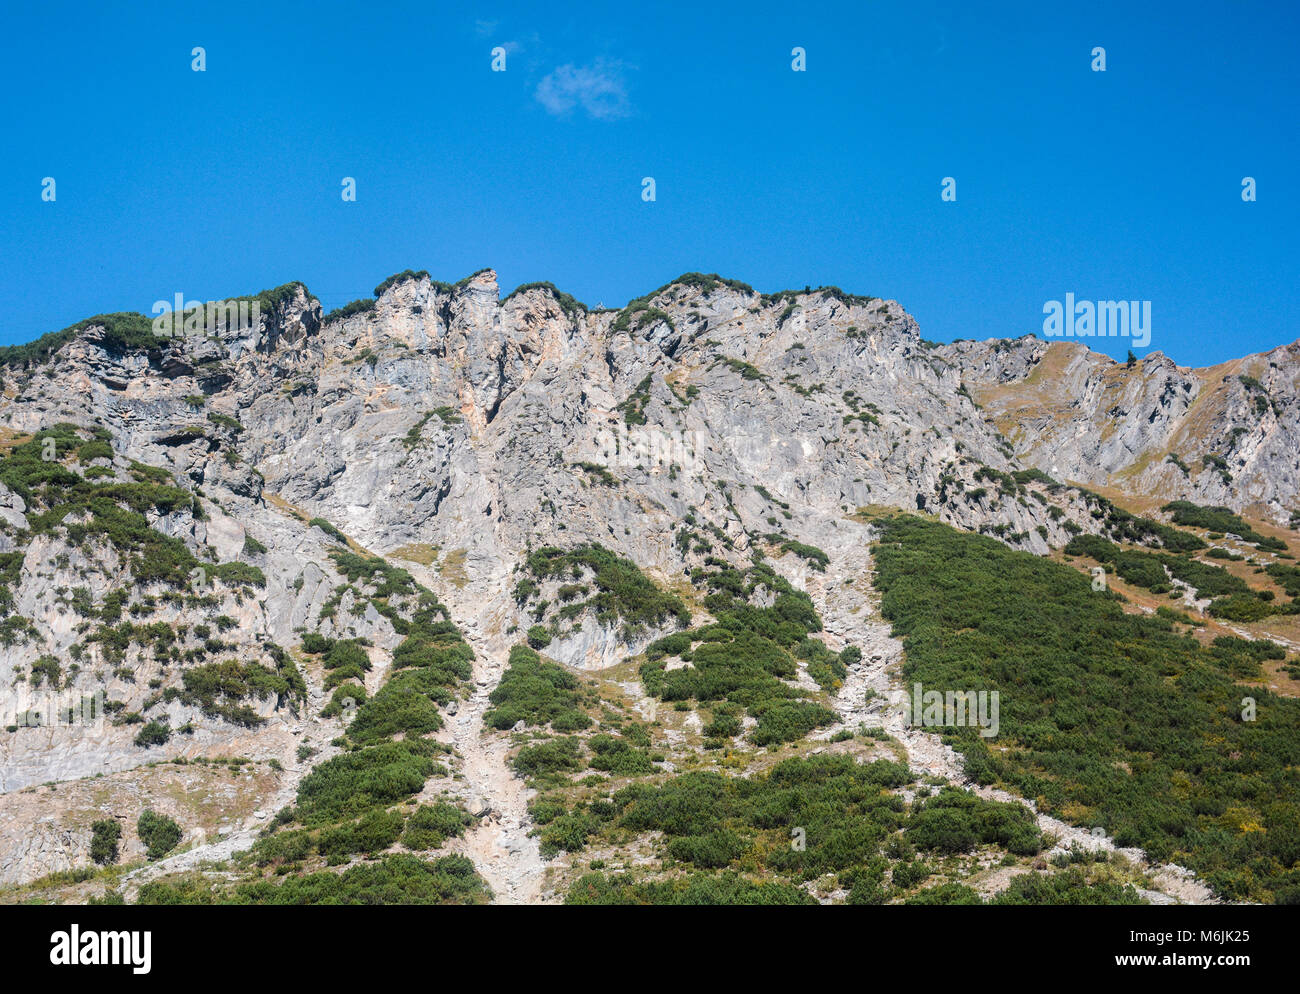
(1222, 435)
(467, 594)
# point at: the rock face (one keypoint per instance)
(453, 431)
(447, 417)
(1222, 435)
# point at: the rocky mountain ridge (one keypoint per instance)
(451, 433)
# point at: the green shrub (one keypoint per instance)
(634, 407)
(433, 824)
(159, 833)
(809, 553)
(568, 304)
(694, 889)
(945, 894)
(788, 721)
(225, 421)
(362, 306)
(723, 725)
(1219, 519)
(568, 833)
(404, 276)
(406, 703)
(536, 693)
(624, 593)
(395, 880)
(711, 820)
(1241, 607)
(355, 782)
(122, 332)
(96, 448)
(46, 669)
(153, 733)
(1067, 887)
(372, 833)
(618, 756)
(955, 821)
(344, 693)
(749, 654)
(104, 836)
(559, 755)
(328, 529)
(221, 689)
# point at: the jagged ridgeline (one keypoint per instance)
(129, 331)
(451, 595)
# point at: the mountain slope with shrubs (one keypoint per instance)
(449, 596)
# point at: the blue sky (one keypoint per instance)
(1122, 184)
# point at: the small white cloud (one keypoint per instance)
(599, 89)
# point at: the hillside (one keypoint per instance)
(448, 597)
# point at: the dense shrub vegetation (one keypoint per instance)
(1220, 519)
(536, 693)
(356, 804)
(747, 656)
(153, 733)
(362, 306)
(360, 802)
(96, 512)
(356, 782)
(1122, 526)
(220, 690)
(104, 836)
(623, 593)
(394, 880)
(1107, 719)
(123, 332)
(569, 304)
(1235, 599)
(430, 825)
(728, 839)
(108, 512)
(159, 833)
